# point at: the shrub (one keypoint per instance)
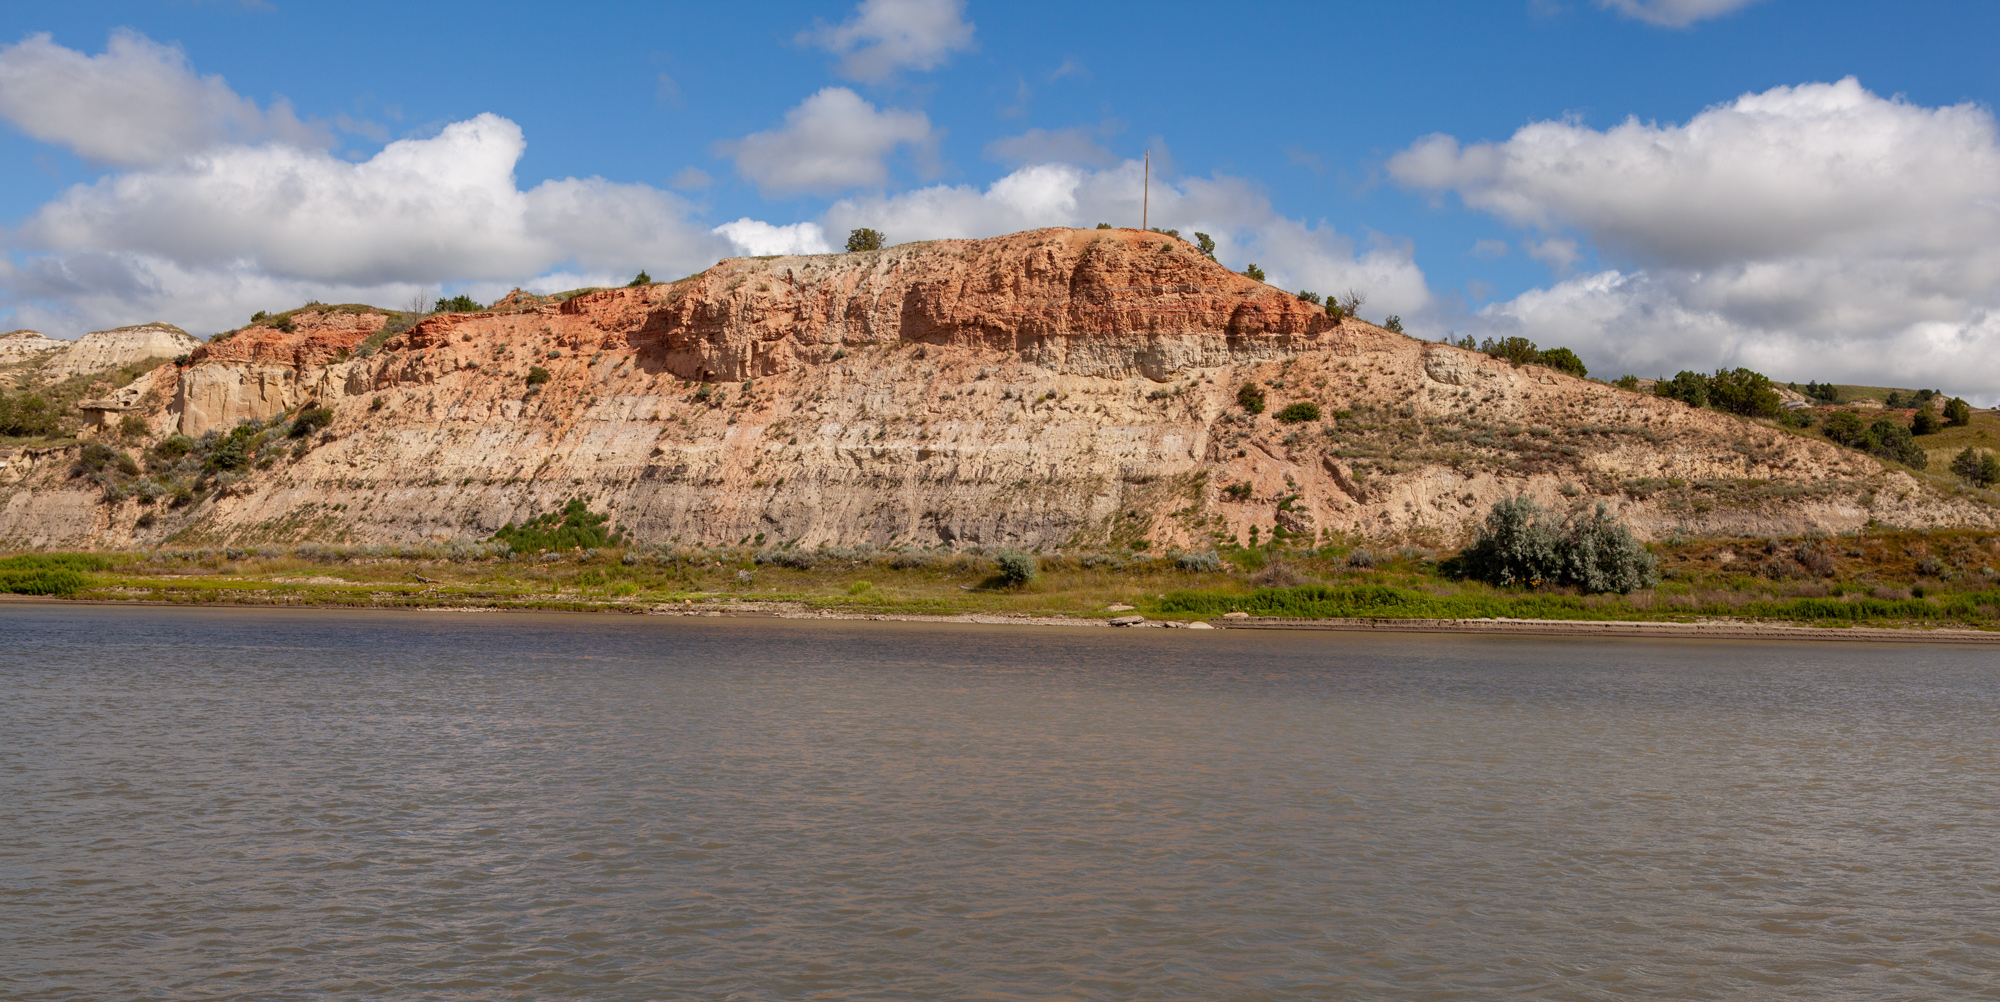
(1250, 397)
(537, 375)
(640, 279)
(1393, 325)
(1103, 226)
(1976, 467)
(1925, 422)
(1741, 391)
(1252, 272)
(1690, 388)
(27, 415)
(1522, 544)
(309, 419)
(1823, 392)
(1362, 558)
(460, 303)
(1299, 413)
(1888, 439)
(1206, 244)
(1518, 350)
(1627, 382)
(1957, 413)
(1310, 297)
(1563, 360)
(1846, 428)
(1016, 568)
(1350, 304)
(574, 527)
(864, 239)
(132, 426)
(1238, 491)
(1207, 563)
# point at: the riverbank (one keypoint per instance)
(1706, 629)
(1893, 580)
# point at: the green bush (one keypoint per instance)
(1976, 467)
(1690, 388)
(1310, 297)
(1016, 568)
(1521, 543)
(1627, 382)
(1823, 392)
(1957, 413)
(1563, 360)
(641, 279)
(311, 419)
(864, 239)
(1925, 422)
(1206, 244)
(1845, 427)
(1250, 397)
(1252, 272)
(1741, 391)
(27, 415)
(537, 375)
(460, 303)
(1888, 439)
(1103, 226)
(574, 527)
(1393, 325)
(1299, 413)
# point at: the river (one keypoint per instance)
(224, 804)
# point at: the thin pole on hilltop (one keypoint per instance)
(1146, 192)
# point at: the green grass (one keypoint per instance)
(1881, 577)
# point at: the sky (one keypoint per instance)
(1809, 188)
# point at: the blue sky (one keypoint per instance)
(1808, 187)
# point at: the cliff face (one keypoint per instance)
(101, 350)
(1052, 388)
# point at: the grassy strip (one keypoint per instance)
(1388, 602)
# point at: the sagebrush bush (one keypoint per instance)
(1207, 562)
(1522, 543)
(537, 375)
(1016, 568)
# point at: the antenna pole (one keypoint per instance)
(1146, 193)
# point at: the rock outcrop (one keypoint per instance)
(101, 350)
(1053, 388)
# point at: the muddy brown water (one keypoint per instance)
(237, 804)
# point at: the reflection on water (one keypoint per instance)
(225, 804)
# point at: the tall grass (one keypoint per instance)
(49, 574)
(1389, 602)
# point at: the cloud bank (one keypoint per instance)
(137, 103)
(833, 141)
(1816, 232)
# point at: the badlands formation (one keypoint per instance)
(1055, 388)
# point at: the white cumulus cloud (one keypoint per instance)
(1821, 231)
(885, 36)
(137, 103)
(236, 228)
(756, 238)
(833, 141)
